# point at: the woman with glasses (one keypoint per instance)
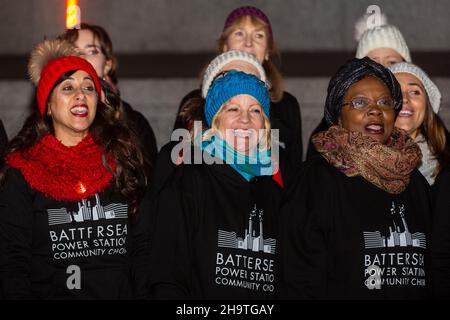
(356, 225)
(382, 43)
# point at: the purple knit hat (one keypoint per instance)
(247, 11)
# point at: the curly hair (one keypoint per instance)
(110, 130)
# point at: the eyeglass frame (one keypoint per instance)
(392, 107)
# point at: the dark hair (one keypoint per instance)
(191, 110)
(103, 38)
(110, 130)
(351, 72)
(433, 130)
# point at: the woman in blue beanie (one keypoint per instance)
(249, 29)
(357, 224)
(213, 234)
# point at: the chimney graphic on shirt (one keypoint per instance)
(250, 241)
(88, 212)
(396, 237)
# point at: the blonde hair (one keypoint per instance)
(273, 75)
(264, 141)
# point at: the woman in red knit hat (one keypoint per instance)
(74, 175)
(94, 44)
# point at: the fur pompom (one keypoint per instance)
(362, 24)
(44, 52)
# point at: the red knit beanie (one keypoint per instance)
(54, 69)
(247, 11)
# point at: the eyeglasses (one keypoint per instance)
(361, 103)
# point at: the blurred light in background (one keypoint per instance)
(73, 15)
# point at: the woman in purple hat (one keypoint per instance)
(248, 28)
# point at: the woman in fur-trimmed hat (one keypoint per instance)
(69, 222)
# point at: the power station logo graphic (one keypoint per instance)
(250, 241)
(87, 212)
(397, 237)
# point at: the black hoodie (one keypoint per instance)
(345, 238)
(214, 235)
(440, 249)
(70, 250)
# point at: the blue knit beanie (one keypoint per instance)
(234, 83)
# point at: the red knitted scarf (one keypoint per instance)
(64, 173)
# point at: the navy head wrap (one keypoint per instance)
(351, 72)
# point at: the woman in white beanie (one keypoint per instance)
(419, 117)
(383, 44)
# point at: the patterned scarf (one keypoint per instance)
(64, 173)
(387, 166)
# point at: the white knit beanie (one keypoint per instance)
(432, 90)
(225, 58)
(383, 36)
